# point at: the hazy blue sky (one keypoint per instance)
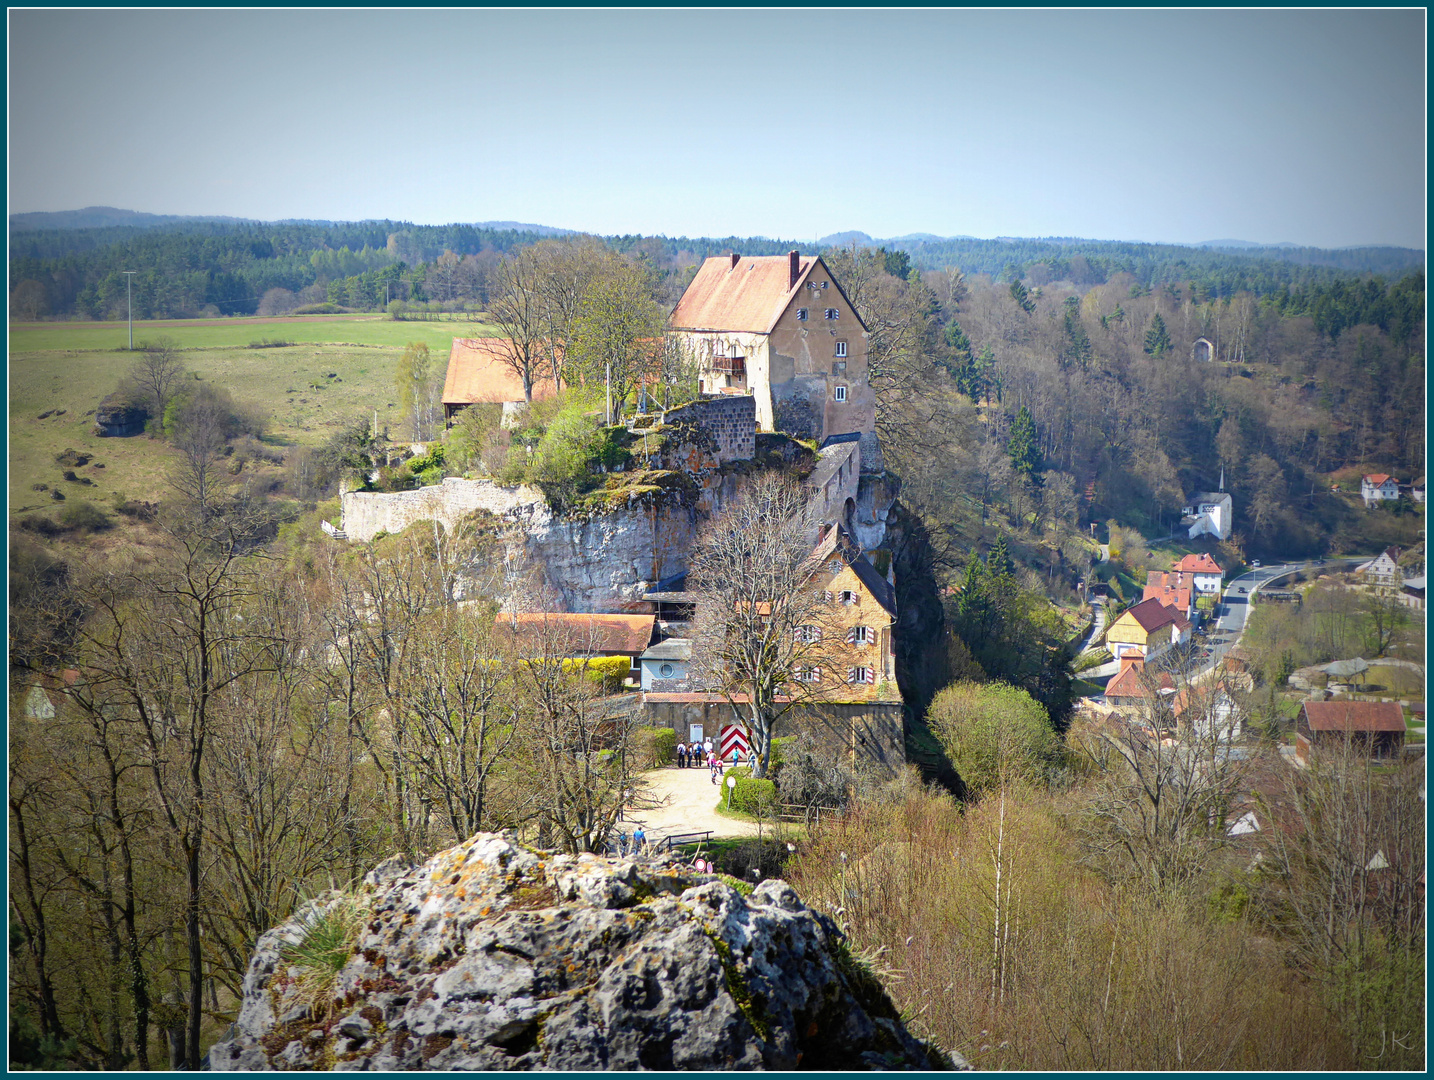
(1282, 125)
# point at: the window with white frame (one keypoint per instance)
(807, 634)
(847, 597)
(809, 674)
(861, 635)
(834, 566)
(860, 675)
(833, 313)
(841, 393)
(841, 348)
(801, 314)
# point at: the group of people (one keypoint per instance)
(695, 755)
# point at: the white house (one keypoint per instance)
(1208, 712)
(1416, 490)
(1383, 569)
(1203, 571)
(665, 663)
(1209, 513)
(1377, 487)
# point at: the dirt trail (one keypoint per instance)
(681, 800)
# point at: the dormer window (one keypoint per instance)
(833, 313)
(841, 348)
(801, 314)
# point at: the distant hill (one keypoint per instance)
(105, 217)
(839, 239)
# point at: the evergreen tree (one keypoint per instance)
(1022, 297)
(1023, 447)
(1078, 349)
(998, 559)
(1157, 338)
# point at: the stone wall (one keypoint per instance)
(867, 733)
(367, 513)
(728, 421)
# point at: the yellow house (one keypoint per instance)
(859, 623)
(1145, 630)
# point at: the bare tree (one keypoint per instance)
(517, 306)
(764, 634)
(1345, 875)
(1161, 796)
(575, 741)
(156, 373)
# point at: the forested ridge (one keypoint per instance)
(208, 267)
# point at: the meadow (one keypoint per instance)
(338, 367)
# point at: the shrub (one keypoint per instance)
(994, 733)
(608, 670)
(85, 517)
(654, 747)
(754, 796)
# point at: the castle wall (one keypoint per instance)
(865, 733)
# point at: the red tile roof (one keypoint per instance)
(1377, 478)
(585, 634)
(1197, 564)
(476, 373)
(1152, 614)
(1353, 715)
(747, 298)
(1131, 683)
(1170, 589)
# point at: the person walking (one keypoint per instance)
(639, 840)
(707, 746)
(682, 755)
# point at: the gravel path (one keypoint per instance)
(678, 801)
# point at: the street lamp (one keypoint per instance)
(129, 300)
(731, 783)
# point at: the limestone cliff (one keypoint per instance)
(495, 956)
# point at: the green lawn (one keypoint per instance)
(71, 366)
(372, 329)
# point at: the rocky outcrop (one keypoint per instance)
(494, 956)
(118, 417)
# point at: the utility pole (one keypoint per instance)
(129, 299)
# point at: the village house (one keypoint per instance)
(1416, 490)
(1383, 569)
(1171, 589)
(1377, 726)
(665, 665)
(1204, 572)
(1146, 630)
(478, 374)
(1378, 487)
(1207, 712)
(1209, 513)
(1135, 687)
(1412, 594)
(780, 329)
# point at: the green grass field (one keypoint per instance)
(71, 366)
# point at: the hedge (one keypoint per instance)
(654, 746)
(749, 796)
(608, 670)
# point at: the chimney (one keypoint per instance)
(735, 260)
(793, 269)
(1128, 662)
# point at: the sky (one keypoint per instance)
(1286, 125)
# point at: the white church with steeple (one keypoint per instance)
(1210, 513)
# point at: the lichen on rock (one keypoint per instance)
(491, 955)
